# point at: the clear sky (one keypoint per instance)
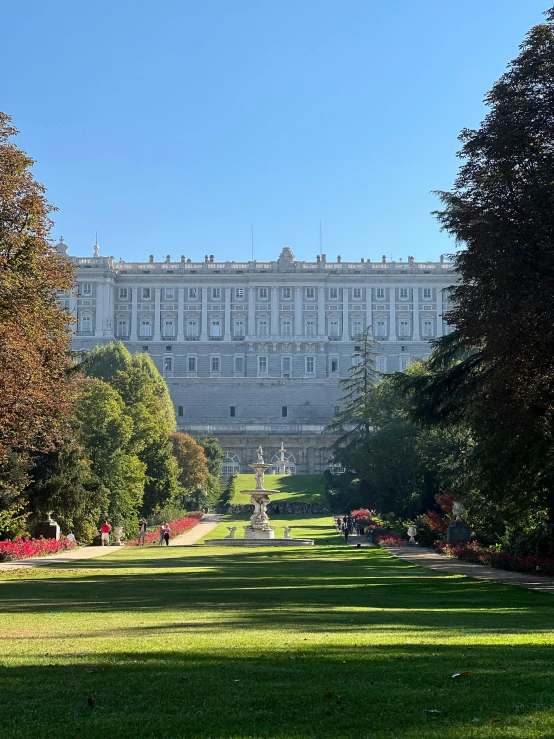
(170, 126)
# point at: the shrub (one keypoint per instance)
(23, 548)
(390, 540)
(494, 557)
(175, 528)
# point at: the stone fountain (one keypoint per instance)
(259, 521)
(260, 532)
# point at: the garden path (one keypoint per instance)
(433, 560)
(60, 557)
(207, 523)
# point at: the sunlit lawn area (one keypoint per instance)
(317, 642)
(318, 528)
(293, 488)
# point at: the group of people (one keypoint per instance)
(348, 526)
(163, 533)
(143, 528)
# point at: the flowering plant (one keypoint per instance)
(175, 528)
(390, 540)
(492, 557)
(23, 548)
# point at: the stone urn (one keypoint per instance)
(412, 531)
(118, 533)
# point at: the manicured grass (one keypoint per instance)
(317, 642)
(318, 528)
(293, 488)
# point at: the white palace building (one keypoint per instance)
(252, 351)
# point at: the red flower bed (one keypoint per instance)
(27, 547)
(474, 552)
(390, 540)
(175, 528)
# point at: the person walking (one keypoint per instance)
(71, 537)
(142, 533)
(166, 534)
(346, 532)
(105, 534)
(161, 533)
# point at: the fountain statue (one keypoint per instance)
(259, 527)
(282, 460)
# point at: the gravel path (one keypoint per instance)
(430, 558)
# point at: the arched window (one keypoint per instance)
(192, 328)
(231, 464)
(290, 464)
(286, 327)
(168, 331)
(239, 328)
(335, 468)
(122, 327)
(145, 328)
(262, 327)
(85, 323)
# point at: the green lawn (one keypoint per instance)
(318, 642)
(320, 529)
(293, 488)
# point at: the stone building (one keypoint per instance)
(252, 351)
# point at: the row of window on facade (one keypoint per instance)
(310, 293)
(262, 366)
(286, 327)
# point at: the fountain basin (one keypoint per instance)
(259, 543)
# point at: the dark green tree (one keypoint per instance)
(501, 211)
(214, 454)
(353, 418)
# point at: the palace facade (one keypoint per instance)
(252, 351)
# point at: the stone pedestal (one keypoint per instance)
(47, 529)
(458, 531)
(267, 533)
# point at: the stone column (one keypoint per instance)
(298, 317)
(180, 314)
(274, 311)
(157, 335)
(251, 328)
(134, 313)
(204, 317)
(109, 309)
(72, 308)
(227, 318)
(392, 314)
(415, 313)
(368, 307)
(439, 312)
(345, 321)
(321, 311)
(99, 324)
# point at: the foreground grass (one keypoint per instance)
(300, 643)
(293, 488)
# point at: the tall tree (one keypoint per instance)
(192, 462)
(352, 420)
(148, 404)
(107, 435)
(35, 396)
(214, 454)
(501, 210)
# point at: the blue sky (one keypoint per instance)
(170, 126)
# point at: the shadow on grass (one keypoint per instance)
(324, 591)
(316, 690)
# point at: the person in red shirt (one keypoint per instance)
(105, 533)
